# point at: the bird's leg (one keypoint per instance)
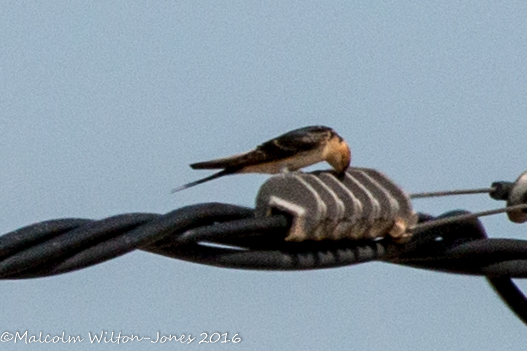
(287, 170)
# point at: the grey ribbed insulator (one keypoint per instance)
(363, 203)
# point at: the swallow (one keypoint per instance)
(288, 152)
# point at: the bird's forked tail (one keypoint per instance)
(203, 180)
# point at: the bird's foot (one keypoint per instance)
(286, 170)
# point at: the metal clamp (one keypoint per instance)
(362, 204)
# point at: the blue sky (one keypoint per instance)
(104, 104)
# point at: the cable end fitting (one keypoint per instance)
(501, 190)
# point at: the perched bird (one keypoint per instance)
(289, 152)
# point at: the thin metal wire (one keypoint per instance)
(446, 220)
(452, 192)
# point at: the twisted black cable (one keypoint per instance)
(232, 237)
(60, 246)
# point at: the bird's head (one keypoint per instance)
(338, 154)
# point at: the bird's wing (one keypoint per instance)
(225, 162)
(284, 146)
(296, 141)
